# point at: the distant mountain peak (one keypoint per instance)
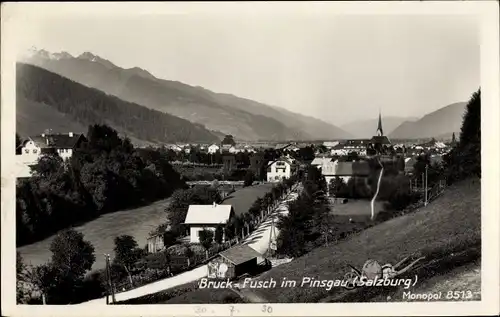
(95, 58)
(141, 72)
(34, 52)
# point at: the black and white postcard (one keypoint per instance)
(250, 159)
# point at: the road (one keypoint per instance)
(258, 240)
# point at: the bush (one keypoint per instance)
(249, 178)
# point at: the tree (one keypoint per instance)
(256, 208)
(181, 199)
(228, 139)
(229, 230)
(127, 252)
(470, 137)
(249, 178)
(21, 271)
(71, 254)
(45, 279)
(352, 156)
(247, 220)
(337, 187)
(169, 238)
(62, 278)
(188, 253)
(206, 239)
(219, 235)
(306, 153)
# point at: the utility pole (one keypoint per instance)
(426, 168)
(111, 289)
(423, 181)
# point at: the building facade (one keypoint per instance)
(280, 169)
(208, 217)
(35, 146)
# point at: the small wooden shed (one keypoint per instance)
(240, 259)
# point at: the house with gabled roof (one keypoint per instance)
(282, 168)
(345, 170)
(319, 161)
(34, 147)
(208, 217)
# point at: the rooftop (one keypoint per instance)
(58, 141)
(240, 254)
(208, 214)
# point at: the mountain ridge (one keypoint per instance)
(244, 118)
(441, 122)
(80, 106)
(367, 128)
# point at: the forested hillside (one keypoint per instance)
(245, 119)
(88, 106)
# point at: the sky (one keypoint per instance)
(339, 68)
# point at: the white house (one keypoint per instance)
(35, 146)
(63, 144)
(330, 144)
(212, 149)
(201, 217)
(175, 148)
(282, 168)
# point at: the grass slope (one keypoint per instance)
(242, 199)
(450, 224)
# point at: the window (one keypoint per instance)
(35, 151)
(26, 151)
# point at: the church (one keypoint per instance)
(380, 141)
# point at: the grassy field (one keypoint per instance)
(242, 199)
(101, 232)
(358, 210)
(447, 232)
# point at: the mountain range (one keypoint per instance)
(45, 100)
(217, 112)
(368, 128)
(441, 123)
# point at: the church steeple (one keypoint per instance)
(380, 131)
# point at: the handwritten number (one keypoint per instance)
(200, 310)
(267, 309)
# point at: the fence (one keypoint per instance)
(178, 263)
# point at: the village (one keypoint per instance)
(224, 231)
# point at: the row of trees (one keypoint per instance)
(104, 175)
(63, 280)
(308, 220)
(205, 195)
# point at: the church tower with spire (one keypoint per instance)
(380, 141)
(380, 131)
